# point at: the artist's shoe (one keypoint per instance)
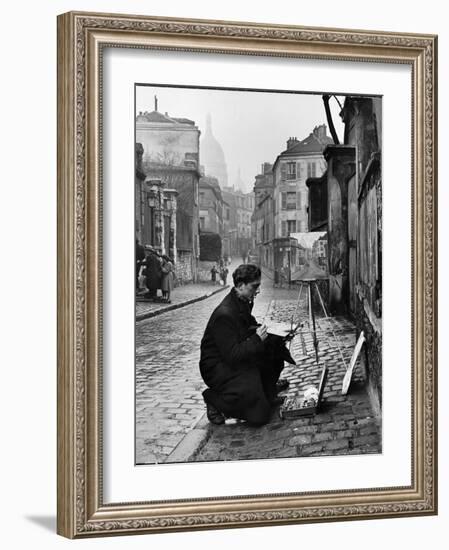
(214, 415)
(282, 384)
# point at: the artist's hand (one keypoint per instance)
(262, 332)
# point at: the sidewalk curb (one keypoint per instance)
(150, 314)
(192, 443)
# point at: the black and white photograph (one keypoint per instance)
(258, 280)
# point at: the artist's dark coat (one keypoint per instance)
(239, 369)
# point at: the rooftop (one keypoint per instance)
(156, 116)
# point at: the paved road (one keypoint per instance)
(168, 383)
(168, 389)
(345, 424)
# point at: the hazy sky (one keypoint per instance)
(251, 127)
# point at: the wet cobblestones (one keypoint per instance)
(168, 388)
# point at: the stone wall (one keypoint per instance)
(183, 268)
(363, 130)
(341, 168)
(372, 350)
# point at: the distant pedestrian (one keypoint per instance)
(224, 274)
(153, 273)
(213, 274)
(167, 278)
(140, 258)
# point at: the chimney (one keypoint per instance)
(320, 132)
(266, 167)
(291, 142)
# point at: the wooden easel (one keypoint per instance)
(297, 406)
(310, 284)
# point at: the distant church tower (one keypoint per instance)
(238, 184)
(212, 156)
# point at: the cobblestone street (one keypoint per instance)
(170, 409)
(168, 382)
(344, 425)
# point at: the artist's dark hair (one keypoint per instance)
(246, 273)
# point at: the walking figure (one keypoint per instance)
(224, 275)
(153, 273)
(213, 274)
(140, 258)
(167, 278)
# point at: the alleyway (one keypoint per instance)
(170, 413)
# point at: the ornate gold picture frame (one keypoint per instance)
(82, 508)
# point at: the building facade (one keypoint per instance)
(238, 210)
(211, 205)
(300, 160)
(362, 117)
(353, 193)
(170, 163)
(262, 221)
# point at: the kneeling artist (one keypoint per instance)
(240, 362)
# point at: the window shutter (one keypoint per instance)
(291, 170)
(284, 229)
(283, 172)
(311, 170)
(298, 200)
(284, 201)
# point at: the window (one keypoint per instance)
(291, 226)
(289, 200)
(311, 170)
(291, 170)
(288, 171)
(202, 223)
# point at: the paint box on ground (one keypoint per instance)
(308, 403)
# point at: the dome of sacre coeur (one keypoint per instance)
(212, 156)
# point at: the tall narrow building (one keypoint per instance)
(168, 148)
